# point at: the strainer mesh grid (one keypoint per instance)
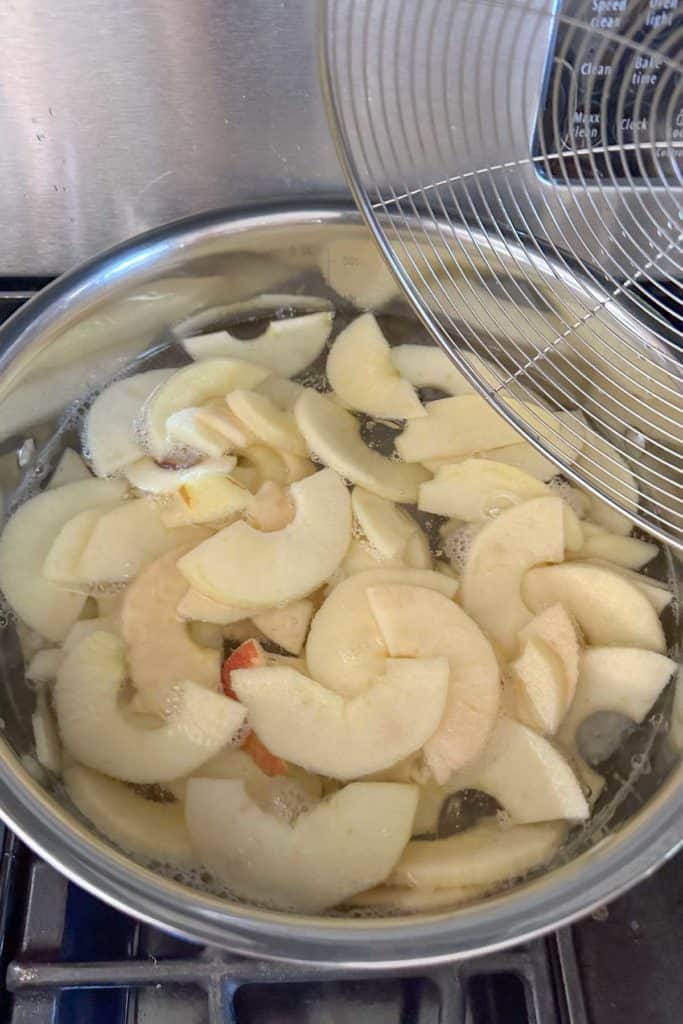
(524, 225)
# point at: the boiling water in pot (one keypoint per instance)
(464, 797)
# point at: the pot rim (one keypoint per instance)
(545, 903)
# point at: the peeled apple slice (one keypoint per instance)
(217, 417)
(195, 607)
(109, 430)
(147, 475)
(192, 386)
(540, 690)
(25, 543)
(415, 622)
(628, 552)
(526, 775)
(209, 499)
(472, 489)
(345, 844)
(250, 568)
(61, 563)
(161, 653)
(393, 898)
(341, 738)
(606, 467)
(48, 747)
(454, 427)
(498, 558)
(270, 424)
(69, 470)
(333, 436)
(607, 607)
(467, 424)
(287, 627)
(186, 429)
(345, 650)
(286, 346)
(361, 372)
(525, 457)
(657, 593)
(153, 830)
(555, 627)
(622, 679)
(426, 366)
(485, 855)
(126, 539)
(97, 733)
(44, 665)
(387, 528)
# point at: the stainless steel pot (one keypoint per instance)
(75, 334)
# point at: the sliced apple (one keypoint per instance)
(540, 689)
(25, 543)
(333, 436)
(161, 653)
(86, 627)
(44, 665)
(250, 568)
(147, 475)
(345, 650)
(555, 627)
(286, 346)
(466, 424)
(387, 528)
(415, 622)
(109, 435)
(476, 489)
(284, 392)
(63, 558)
(97, 732)
(347, 843)
(658, 594)
(500, 555)
(186, 429)
(217, 417)
(426, 366)
(210, 499)
(156, 831)
(628, 552)
(622, 679)
(377, 389)
(307, 724)
(195, 607)
(607, 468)
(526, 458)
(273, 426)
(193, 386)
(45, 736)
(487, 854)
(69, 470)
(287, 627)
(345, 738)
(527, 775)
(126, 539)
(609, 609)
(394, 898)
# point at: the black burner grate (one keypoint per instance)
(70, 958)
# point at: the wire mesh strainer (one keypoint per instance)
(457, 138)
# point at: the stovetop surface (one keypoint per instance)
(68, 958)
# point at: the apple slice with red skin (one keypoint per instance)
(250, 654)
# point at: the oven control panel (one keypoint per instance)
(612, 104)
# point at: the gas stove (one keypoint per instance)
(68, 958)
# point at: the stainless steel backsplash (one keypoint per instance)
(118, 116)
